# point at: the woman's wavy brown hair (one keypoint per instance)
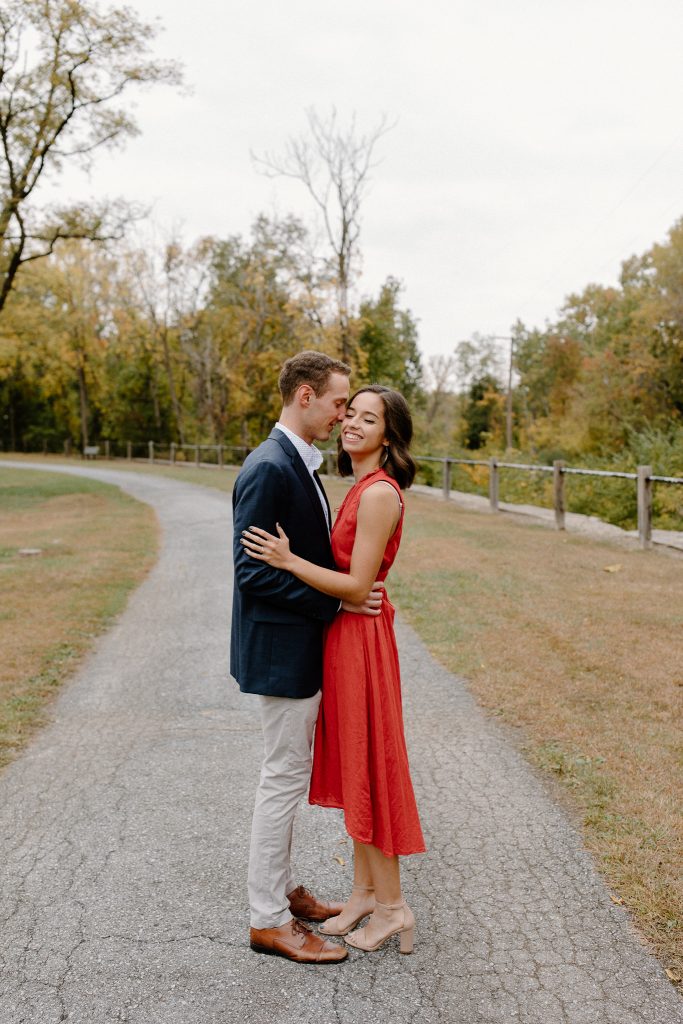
(398, 430)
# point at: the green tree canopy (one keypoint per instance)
(387, 342)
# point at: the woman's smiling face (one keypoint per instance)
(362, 430)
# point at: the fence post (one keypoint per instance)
(129, 451)
(493, 484)
(150, 453)
(172, 452)
(329, 463)
(446, 479)
(558, 492)
(220, 456)
(645, 506)
(107, 450)
(196, 455)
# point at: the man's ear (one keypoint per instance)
(304, 394)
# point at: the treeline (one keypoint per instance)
(168, 342)
(601, 386)
(164, 341)
(611, 368)
(604, 379)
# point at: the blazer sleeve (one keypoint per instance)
(258, 501)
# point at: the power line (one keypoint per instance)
(588, 235)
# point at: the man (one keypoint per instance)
(276, 644)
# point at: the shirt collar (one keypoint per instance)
(312, 456)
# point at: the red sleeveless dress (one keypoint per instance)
(360, 762)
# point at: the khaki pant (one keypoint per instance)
(287, 726)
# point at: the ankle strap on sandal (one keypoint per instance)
(390, 906)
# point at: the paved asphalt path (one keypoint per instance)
(124, 835)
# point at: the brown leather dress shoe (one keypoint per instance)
(308, 907)
(295, 941)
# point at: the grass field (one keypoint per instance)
(95, 545)
(578, 644)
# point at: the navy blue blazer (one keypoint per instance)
(278, 621)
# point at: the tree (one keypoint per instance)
(482, 412)
(334, 164)
(659, 316)
(611, 366)
(549, 365)
(388, 342)
(61, 318)
(169, 287)
(64, 65)
(261, 308)
(140, 397)
(618, 386)
(442, 371)
(477, 358)
(435, 415)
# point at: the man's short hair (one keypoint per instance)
(314, 368)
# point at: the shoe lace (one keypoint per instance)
(300, 926)
(301, 892)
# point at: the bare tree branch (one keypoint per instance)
(63, 67)
(334, 164)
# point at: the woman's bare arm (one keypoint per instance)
(378, 515)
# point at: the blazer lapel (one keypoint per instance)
(305, 477)
(319, 485)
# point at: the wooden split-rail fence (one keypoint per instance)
(644, 478)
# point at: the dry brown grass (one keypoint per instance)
(96, 545)
(588, 662)
(211, 476)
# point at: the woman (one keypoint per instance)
(360, 762)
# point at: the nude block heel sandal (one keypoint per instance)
(330, 928)
(406, 938)
(405, 930)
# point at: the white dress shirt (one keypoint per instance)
(312, 460)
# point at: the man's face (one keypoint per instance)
(323, 412)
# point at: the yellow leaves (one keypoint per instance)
(674, 976)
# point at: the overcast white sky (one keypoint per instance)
(538, 142)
